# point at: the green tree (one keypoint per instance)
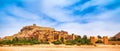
(78, 38)
(62, 39)
(24, 41)
(85, 40)
(84, 37)
(99, 37)
(99, 41)
(15, 39)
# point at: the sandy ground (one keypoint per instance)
(60, 48)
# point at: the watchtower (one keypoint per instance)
(92, 39)
(105, 40)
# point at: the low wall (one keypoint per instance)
(114, 42)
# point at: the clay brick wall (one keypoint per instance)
(105, 40)
(73, 36)
(92, 39)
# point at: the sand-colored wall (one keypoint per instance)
(114, 42)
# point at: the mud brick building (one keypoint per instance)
(49, 34)
(94, 39)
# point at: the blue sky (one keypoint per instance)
(82, 17)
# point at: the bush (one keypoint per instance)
(88, 42)
(33, 41)
(84, 42)
(84, 37)
(24, 41)
(44, 42)
(6, 42)
(61, 39)
(57, 42)
(70, 42)
(99, 41)
(78, 44)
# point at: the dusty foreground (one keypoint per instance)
(61, 48)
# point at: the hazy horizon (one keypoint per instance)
(82, 17)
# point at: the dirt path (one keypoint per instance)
(39, 48)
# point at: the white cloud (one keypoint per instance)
(20, 12)
(99, 24)
(91, 29)
(53, 8)
(100, 3)
(102, 24)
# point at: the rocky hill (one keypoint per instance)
(28, 31)
(117, 35)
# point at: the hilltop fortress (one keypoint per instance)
(42, 34)
(48, 34)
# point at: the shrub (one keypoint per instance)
(99, 41)
(70, 42)
(62, 40)
(44, 42)
(78, 44)
(6, 42)
(57, 42)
